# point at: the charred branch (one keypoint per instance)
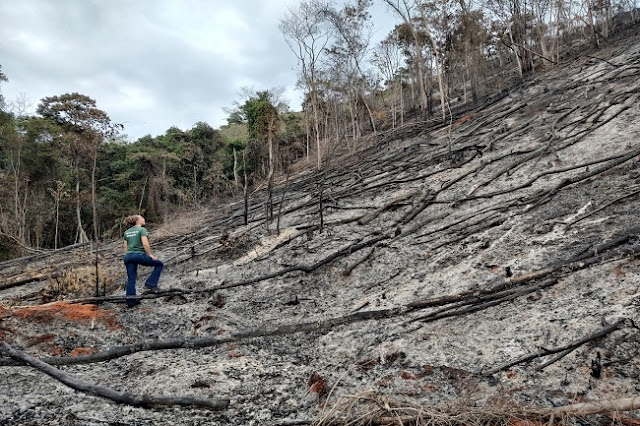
(80, 385)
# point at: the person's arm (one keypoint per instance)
(126, 247)
(147, 247)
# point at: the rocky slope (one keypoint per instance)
(481, 266)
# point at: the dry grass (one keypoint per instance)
(376, 410)
(185, 222)
(78, 282)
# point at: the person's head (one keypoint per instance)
(134, 220)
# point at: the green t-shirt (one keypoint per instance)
(133, 236)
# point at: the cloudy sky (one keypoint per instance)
(150, 64)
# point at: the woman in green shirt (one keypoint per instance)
(138, 252)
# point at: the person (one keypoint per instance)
(138, 252)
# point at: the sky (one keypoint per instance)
(150, 64)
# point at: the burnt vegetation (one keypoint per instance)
(481, 269)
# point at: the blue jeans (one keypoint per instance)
(131, 262)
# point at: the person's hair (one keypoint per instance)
(131, 220)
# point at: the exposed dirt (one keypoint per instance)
(511, 232)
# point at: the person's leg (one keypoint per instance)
(152, 280)
(132, 276)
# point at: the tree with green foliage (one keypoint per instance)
(263, 122)
(208, 144)
(29, 162)
(87, 127)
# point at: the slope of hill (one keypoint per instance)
(485, 269)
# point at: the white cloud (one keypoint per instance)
(149, 64)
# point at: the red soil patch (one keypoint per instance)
(233, 350)
(56, 350)
(69, 312)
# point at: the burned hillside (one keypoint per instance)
(478, 271)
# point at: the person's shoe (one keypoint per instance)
(133, 304)
(151, 290)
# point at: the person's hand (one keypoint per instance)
(153, 257)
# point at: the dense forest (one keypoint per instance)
(69, 174)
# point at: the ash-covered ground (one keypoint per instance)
(445, 253)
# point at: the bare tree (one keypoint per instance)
(592, 23)
(473, 35)
(387, 58)
(307, 33)
(58, 193)
(14, 149)
(353, 34)
(406, 11)
(432, 13)
(543, 12)
(513, 17)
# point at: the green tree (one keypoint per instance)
(212, 145)
(157, 159)
(123, 184)
(263, 123)
(260, 114)
(30, 162)
(87, 127)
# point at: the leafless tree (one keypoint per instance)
(434, 14)
(407, 10)
(14, 143)
(307, 32)
(353, 34)
(388, 59)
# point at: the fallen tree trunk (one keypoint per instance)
(370, 216)
(108, 393)
(614, 161)
(591, 213)
(26, 280)
(203, 342)
(564, 350)
(479, 303)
